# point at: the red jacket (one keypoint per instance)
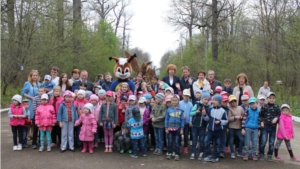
(59, 100)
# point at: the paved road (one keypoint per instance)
(29, 158)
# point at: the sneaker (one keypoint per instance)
(207, 159)
(144, 155)
(152, 148)
(121, 151)
(159, 152)
(295, 159)
(245, 158)
(191, 143)
(240, 155)
(53, 145)
(34, 146)
(96, 145)
(173, 154)
(73, 150)
(129, 151)
(232, 155)
(25, 145)
(168, 156)
(155, 151)
(262, 157)
(110, 150)
(15, 148)
(19, 147)
(222, 155)
(106, 150)
(133, 156)
(192, 157)
(200, 156)
(226, 150)
(41, 149)
(279, 158)
(254, 158)
(48, 149)
(176, 158)
(186, 150)
(214, 160)
(270, 158)
(102, 140)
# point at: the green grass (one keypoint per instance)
(10, 92)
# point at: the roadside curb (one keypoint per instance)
(296, 119)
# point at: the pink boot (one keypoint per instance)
(96, 144)
(84, 147)
(186, 150)
(295, 159)
(91, 147)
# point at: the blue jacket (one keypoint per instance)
(114, 85)
(136, 128)
(49, 85)
(228, 90)
(216, 114)
(251, 119)
(62, 114)
(31, 90)
(174, 118)
(197, 118)
(187, 108)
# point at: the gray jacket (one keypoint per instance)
(159, 113)
(128, 112)
(112, 112)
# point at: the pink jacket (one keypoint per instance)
(16, 111)
(79, 104)
(286, 128)
(88, 128)
(45, 116)
(96, 111)
(59, 100)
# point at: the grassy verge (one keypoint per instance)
(10, 92)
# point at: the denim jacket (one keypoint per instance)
(63, 113)
(112, 113)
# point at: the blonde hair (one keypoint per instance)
(244, 76)
(29, 78)
(57, 88)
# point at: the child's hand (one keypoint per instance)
(100, 124)
(60, 124)
(274, 121)
(243, 131)
(38, 126)
(114, 126)
(123, 111)
(227, 130)
(75, 124)
(191, 125)
(53, 124)
(181, 132)
(190, 80)
(217, 122)
(153, 119)
(198, 110)
(262, 124)
(206, 130)
(286, 138)
(203, 112)
(167, 131)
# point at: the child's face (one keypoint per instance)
(224, 104)
(233, 103)
(82, 88)
(86, 110)
(76, 91)
(124, 88)
(271, 99)
(15, 102)
(68, 98)
(131, 102)
(215, 103)
(123, 102)
(124, 130)
(186, 98)
(96, 90)
(44, 101)
(152, 102)
(168, 92)
(108, 98)
(41, 92)
(157, 101)
(101, 96)
(174, 101)
(94, 102)
(261, 101)
(285, 110)
(80, 96)
(227, 84)
(47, 81)
(205, 101)
(253, 105)
(198, 95)
(26, 105)
(245, 102)
(142, 104)
(56, 93)
(139, 95)
(153, 81)
(169, 103)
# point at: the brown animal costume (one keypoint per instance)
(122, 72)
(147, 72)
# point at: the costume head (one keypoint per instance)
(123, 69)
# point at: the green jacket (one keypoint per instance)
(159, 113)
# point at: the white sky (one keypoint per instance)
(149, 30)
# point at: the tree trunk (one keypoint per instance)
(60, 20)
(77, 23)
(214, 31)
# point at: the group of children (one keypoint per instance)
(126, 119)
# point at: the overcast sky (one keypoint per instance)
(149, 30)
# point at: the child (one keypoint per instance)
(186, 106)
(137, 133)
(145, 114)
(223, 146)
(95, 111)
(261, 101)
(101, 95)
(124, 91)
(199, 124)
(250, 128)
(174, 125)
(198, 94)
(67, 115)
(122, 139)
(169, 91)
(48, 84)
(158, 116)
(122, 109)
(88, 128)
(269, 115)
(45, 118)
(152, 102)
(132, 105)
(86, 94)
(154, 84)
(235, 116)
(168, 101)
(26, 129)
(16, 115)
(217, 118)
(227, 86)
(285, 132)
(96, 89)
(36, 103)
(245, 104)
(108, 119)
(218, 90)
(55, 101)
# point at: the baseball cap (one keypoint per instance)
(271, 93)
(47, 77)
(218, 89)
(132, 97)
(260, 97)
(44, 96)
(186, 92)
(244, 97)
(232, 98)
(142, 100)
(285, 106)
(224, 98)
(252, 100)
(109, 93)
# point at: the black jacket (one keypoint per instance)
(90, 85)
(176, 79)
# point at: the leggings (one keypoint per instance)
(56, 133)
(17, 132)
(48, 136)
(287, 144)
(108, 137)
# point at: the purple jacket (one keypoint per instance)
(146, 120)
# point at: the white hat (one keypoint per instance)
(47, 77)
(245, 97)
(81, 92)
(132, 97)
(17, 97)
(285, 106)
(186, 92)
(260, 97)
(89, 106)
(44, 96)
(271, 93)
(142, 100)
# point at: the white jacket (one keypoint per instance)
(206, 86)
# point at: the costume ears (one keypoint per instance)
(129, 57)
(133, 61)
(114, 58)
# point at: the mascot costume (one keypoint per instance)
(122, 72)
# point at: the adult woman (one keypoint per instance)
(242, 87)
(64, 83)
(172, 80)
(30, 89)
(201, 83)
(264, 90)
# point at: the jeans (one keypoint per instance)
(238, 133)
(186, 135)
(146, 140)
(223, 140)
(251, 135)
(271, 132)
(24, 140)
(174, 137)
(213, 136)
(48, 136)
(17, 132)
(198, 133)
(159, 137)
(136, 143)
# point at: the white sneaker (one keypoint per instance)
(191, 143)
(48, 149)
(19, 147)
(41, 149)
(15, 148)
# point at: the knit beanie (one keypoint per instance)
(17, 97)
(205, 95)
(89, 106)
(148, 96)
(160, 96)
(101, 92)
(218, 98)
(124, 98)
(81, 92)
(94, 97)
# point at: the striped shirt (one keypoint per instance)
(36, 103)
